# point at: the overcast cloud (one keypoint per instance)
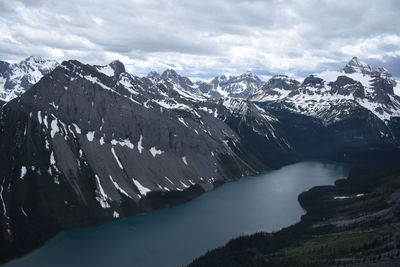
(203, 38)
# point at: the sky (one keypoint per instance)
(202, 39)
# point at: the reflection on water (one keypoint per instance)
(175, 236)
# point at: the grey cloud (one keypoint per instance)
(203, 37)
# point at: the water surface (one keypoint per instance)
(175, 236)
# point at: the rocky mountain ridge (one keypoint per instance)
(240, 86)
(357, 85)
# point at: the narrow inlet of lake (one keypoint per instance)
(175, 236)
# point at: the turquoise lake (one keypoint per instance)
(175, 236)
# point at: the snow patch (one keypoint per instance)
(102, 140)
(90, 136)
(23, 172)
(23, 212)
(119, 188)
(139, 145)
(184, 185)
(54, 128)
(106, 70)
(54, 105)
(116, 158)
(143, 190)
(125, 142)
(347, 197)
(77, 129)
(52, 160)
(168, 180)
(155, 152)
(101, 195)
(183, 121)
(39, 114)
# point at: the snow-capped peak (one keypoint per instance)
(170, 74)
(241, 86)
(358, 84)
(16, 78)
(357, 66)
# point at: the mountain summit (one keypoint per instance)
(356, 66)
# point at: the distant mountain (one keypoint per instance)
(16, 78)
(183, 82)
(358, 85)
(241, 86)
(356, 66)
(153, 76)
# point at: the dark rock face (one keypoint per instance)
(313, 82)
(4, 66)
(383, 84)
(275, 87)
(118, 67)
(281, 82)
(347, 86)
(207, 88)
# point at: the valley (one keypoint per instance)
(249, 205)
(82, 145)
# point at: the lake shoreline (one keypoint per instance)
(254, 179)
(177, 198)
(370, 175)
(153, 201)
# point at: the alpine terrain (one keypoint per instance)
(82, 144)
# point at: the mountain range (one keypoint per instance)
(84, 144)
